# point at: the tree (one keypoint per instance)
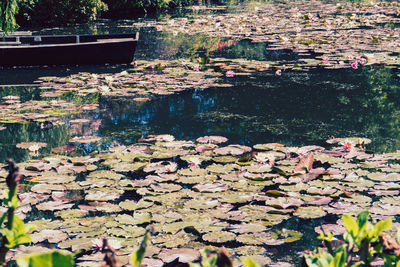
(8, 9)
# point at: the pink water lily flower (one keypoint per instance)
(172, 167)
(325, 59)
(261, 158)
(98, 243)
(197, 68)
(194, 162)
(230, 73)
(354, 65)
(348, 146)
(278, 72)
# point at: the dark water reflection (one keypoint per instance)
(294, 109)
(297, 108)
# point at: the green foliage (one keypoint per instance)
(323, 258)
(247, 262)
(129, 8)
(13, 230)
(207, 259)
(362, 238)
(137, 257)
(8, 9)
(18, 234)
(51, 259)
(53, 12)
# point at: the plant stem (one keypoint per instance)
(364, 252)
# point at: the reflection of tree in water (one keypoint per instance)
(381, 104)
(29, 132)
(295, 109)
(54, 135)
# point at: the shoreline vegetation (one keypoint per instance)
(27, 13)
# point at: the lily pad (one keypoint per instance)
(219, 237)
(309, 212)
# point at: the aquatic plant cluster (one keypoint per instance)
(146, 79)
(203, 193)
(338, 35)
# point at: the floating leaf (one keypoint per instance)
(85, 139)
(219, 237)
(184, 255)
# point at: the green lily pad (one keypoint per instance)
(137, 218)
(71, 213)
(219, 237)
(53, 236)
(310, 212)
(184, 255)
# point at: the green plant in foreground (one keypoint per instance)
(53, 258)
(363, 243)
(137, 257)
(219, 259)
(12, 229)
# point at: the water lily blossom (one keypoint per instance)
(325, 59)
(278, 72)
(98, 243)
(354, 65)
(264, 158)
(194, 162)
(172, 167)
(230, 73)
(261, 158)
(348, 146)
(197, 68)
(34, 148)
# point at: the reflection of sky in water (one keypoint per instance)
(204, 103)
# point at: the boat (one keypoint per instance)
(46, 50)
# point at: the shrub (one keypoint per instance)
(362, 243)
(53, 12)
(8, 9)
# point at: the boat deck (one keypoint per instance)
(67, 49)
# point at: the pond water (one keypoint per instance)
(298, 107)
(295, 109)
